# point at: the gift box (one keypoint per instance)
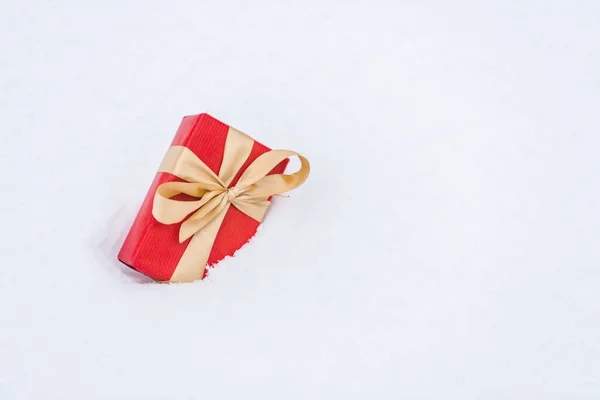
(207, 200)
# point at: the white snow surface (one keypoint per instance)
(444, 247)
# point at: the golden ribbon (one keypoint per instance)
(250, 195)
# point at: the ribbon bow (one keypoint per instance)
(202, 218)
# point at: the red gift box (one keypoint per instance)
(154, 248)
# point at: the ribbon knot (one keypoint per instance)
(232, 193)
(201, 218)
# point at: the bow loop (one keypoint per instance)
(184, 164)
(169, 211)
(263, 185)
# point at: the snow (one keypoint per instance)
(445, 245)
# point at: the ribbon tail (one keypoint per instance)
(197, 221)
(192, 264)
(254, 208)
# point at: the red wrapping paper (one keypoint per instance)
(153, 248)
